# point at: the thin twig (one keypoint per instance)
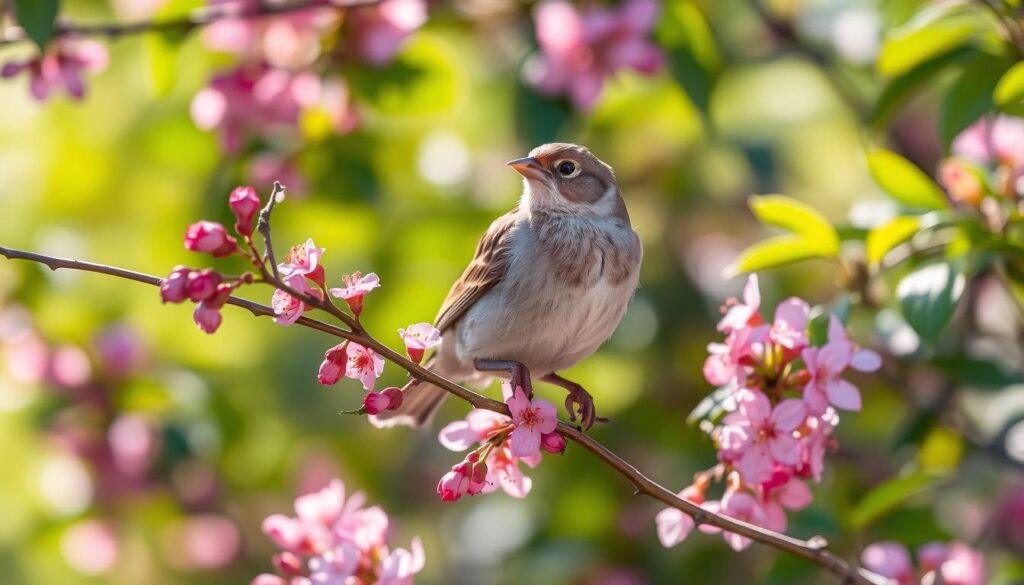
(263, 227)
(811, 550)
(194, 19)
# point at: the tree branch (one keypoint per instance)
(194, 19)
(812, 550)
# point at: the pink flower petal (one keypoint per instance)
(865, 360)
(843, 394)
(789, 415)
(524, 441)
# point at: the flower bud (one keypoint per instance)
(387, 399)
(209, 237)
(202, 284)
(455, 483)
(553, 443)
(333, 366)
(244, 202)
(478, 478)
(172, 289)
(207, 314)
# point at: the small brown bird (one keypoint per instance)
(548, 284)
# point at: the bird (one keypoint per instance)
(548, 284)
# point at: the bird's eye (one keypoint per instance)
(567, 168)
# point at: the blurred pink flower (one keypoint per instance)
(376, 33)
(963, 566)
(122, 350)
(364, 365)
(60, 67)
(761, 436)
(674, 525)
(530, 420)
(740, 505)
(889, 559)
(288, 41)
(581, 49)
(204, 542)
(90, 547)
(997, 141)
(133, 442)
(253, 101)
(746, 314)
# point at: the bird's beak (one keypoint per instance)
(528, 167)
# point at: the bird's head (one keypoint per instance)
(567, 178)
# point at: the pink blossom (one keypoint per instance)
(289, 563)
(783, 492)
(60, 67)
(580, 50)
(268, 166)
(287, 308)
(253, 101)
(999, 141)
(530, 420)
(209, 237)
(202, 284)
(742, 506)
(356, 287)
(207, 313)
(288, 41)
(789, 330)
(477, 427)
(758, 436)
(815, 443)
(244, 203)
(172, 289)
(964, 566)
(304, 260)
(388, 399)
(399, 565)
(334, 364)
(504, 472)
(673, 524)
(962, 182)
(932, 555)
(827, 364)
(745, 314)
(728, 362)
(889, 559)
(335, 565)
(377, 33)
(418, 338)
(553, 443)
(364, 365)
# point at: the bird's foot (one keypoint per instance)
(519, 375)
(580, 402)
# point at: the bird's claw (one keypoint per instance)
(580, 402)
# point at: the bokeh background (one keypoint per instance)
(138, 449)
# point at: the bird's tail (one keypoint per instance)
(418, 407)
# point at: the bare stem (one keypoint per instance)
(194, 19)
(812, 550)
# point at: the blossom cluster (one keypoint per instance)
(781, 395)
(987, 166)
(60, 67)
(957, 563)
(333, 540)
(301, 283)
(581, 49)
(502, 443)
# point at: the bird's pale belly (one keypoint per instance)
(547, 327)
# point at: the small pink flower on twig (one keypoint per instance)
(364, 365)
(530, 420)
(356, 287)
(419, 338)
(334, 364)
(244, 203)
(210, 237)
(304, 260)
(287, 308)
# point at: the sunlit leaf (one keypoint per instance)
(798, 217)
(684, 33)
(941, 450)
(904, 182)
(1010, 89)
(905, 52)
(929, 295)
(887, 236)
(38, 18)
(888, 495)
(970, 97)
(776, 252)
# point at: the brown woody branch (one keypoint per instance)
(182, 24)
(812, 550)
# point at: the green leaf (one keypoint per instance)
(905, 182)
(693, 54)
(887, 496)
(900, 89)
(929, 295)
(902, 53)
(774, 252)
(978, 372)
(798, 217)
(1010, 89)
(971, 96)
(887, 236)
(38, 18)
(712, 406)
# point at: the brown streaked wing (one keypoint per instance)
(487, 268)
